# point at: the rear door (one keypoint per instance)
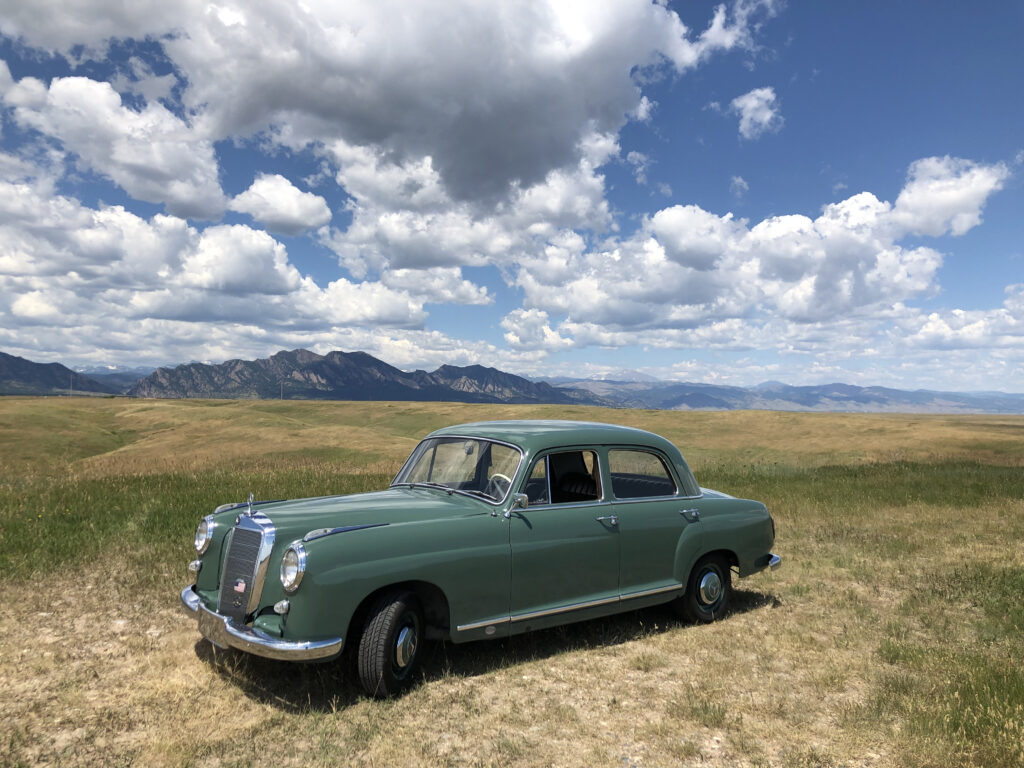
(654, 520)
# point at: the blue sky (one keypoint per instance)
(803, 192)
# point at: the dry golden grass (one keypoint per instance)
(847, 656)
(116, 435)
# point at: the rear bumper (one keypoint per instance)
(766, 562)
(225, 633)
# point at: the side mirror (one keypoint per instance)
(519, 501)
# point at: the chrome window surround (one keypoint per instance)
(500, 501)
(602, 499)
(666, 465)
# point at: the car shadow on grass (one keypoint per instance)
(334, 685)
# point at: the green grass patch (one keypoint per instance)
(49, 524)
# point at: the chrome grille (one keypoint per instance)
(245, 566)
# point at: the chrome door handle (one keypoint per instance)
(691, 514)
(610, 519)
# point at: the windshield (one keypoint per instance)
(468, 465)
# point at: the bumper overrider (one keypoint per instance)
(225, 633)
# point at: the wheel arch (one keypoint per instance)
(728, 555)
(433, 603)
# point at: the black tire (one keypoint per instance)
(389, 648)
(707, 591)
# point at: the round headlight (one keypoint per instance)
(204, 533)
(293, 565)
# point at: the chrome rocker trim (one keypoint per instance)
(224, 633)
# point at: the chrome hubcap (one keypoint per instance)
(710, 587)
(405, 646)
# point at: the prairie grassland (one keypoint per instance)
(891, 636)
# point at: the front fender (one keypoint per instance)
(467, 558)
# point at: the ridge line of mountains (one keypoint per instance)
(303, 375)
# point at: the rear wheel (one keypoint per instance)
(707, 590)
(389, 648)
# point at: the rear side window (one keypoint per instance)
(638, 474)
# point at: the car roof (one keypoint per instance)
(538, 435)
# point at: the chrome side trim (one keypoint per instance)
(224, 633)
(482, 624)
(656, 591)
(572, 505)
(563, 609)
(643, 499)
(319, 533)
(568, 608)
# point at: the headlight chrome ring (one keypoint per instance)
(204, 534)
(293, 566)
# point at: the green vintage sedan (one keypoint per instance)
(490, 529)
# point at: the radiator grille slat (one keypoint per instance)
(240, 569)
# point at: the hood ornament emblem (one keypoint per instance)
(250, 504)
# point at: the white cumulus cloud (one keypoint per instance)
(152, 154)
(759, 112)
(282, 207)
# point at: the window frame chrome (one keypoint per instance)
(479, 438)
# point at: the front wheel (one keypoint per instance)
(707, 590)
(390, 645)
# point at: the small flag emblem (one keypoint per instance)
(240, 585)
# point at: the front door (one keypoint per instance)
(565, 544)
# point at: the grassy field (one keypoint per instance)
(893, 635)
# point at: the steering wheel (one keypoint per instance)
(498, 485)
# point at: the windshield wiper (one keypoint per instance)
(428, 484)
(481, 494)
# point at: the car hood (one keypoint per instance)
(293, 519)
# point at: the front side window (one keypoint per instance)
(564, 478)
(639, 474)
(468, 465)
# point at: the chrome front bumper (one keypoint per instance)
(224, 633)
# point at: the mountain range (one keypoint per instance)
(19, 376)
(305, 375)
(776, 396)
